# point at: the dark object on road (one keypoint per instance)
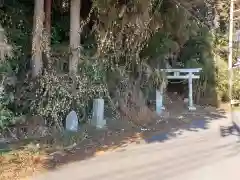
(226, 130)
(236, 127)
(229, 130)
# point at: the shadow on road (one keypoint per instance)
(98, 142)
(121, 134)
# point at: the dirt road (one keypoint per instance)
(200, 154)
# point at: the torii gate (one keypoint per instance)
(189, 74)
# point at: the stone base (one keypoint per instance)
(161, 110)
(191, 108)
(101, 125)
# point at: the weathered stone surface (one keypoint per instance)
(72, 121)
(98, 114)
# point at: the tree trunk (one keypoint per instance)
(48, 11)
(5, 48)
(74, 36)
(37, 38)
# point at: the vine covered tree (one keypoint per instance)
(75, 7)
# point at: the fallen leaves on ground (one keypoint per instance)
(129, 140)
(20, 164)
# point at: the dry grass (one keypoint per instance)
(27, 158)
(21, 164)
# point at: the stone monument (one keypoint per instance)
(98, 114)
(72, 122)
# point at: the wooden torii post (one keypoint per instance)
(189, 74)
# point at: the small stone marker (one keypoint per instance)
(159, 102)
(238, 35)
(98, 114)
(72, 121)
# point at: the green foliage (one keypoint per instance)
(18, 31)
(222, 78)
(159, 45)
(236, 84)
(15, 17)
(6, 115)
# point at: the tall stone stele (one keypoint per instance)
(98, 120)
